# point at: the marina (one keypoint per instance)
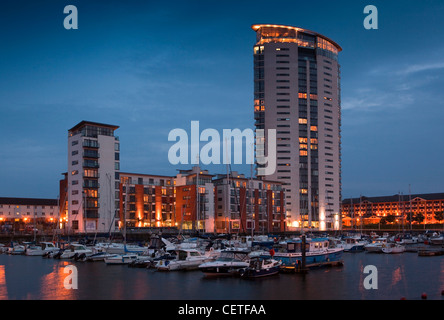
(204, 269)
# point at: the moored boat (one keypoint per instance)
(40, 250)
(121, 259)
(228, 263)
(376, 245)
(186, 259)
(75, 250)
(16, 249)
(393, 248)
(261, 267)
(351, 244)
(317, 253)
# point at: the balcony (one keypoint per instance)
(91, 144)
(91, 184)
(90, 164)
(92, 214)
(91, 154)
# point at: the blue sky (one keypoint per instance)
(152, 66)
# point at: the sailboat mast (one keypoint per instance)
(410, 200)
(125, 210)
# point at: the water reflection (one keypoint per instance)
(3, 287)
(24, 277)
(52, 285)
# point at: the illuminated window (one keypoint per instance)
(302, 95)
(303, 146)
(313, 128)
(302, 121)
(303, 153)
(303, 140)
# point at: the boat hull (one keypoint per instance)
(116, 260)
(223, 269)
(251, 273)
(294, 260)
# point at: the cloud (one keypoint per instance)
(392, 86)
(421, 67)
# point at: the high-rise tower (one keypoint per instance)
(93, 177)
(297, 92)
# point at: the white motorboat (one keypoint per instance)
(99, 256)
(119, 248)
(352, 245)
(121, 258)
(228, 263)
(16, 249)
(376, 245)
(437, 240)
(393, 248)
(40, 250)
(186, 259)
(75, 250)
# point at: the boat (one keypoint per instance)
(41, 250)
(408, 239)
(16, 249)
(437, 240)
(120, 258)
(99, 256)
(352, 244)
(393, 248)
(228, 263)
(376, 245)
(260, 267)
(430, 252)
(76, 251)
(186, 259)
(318, 253)
(118, 248)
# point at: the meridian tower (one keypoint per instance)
(297, 93)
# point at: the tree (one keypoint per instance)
(419, 217)
(439, 215)
(388, 219)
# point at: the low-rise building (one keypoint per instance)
(404, 208)
(23, 214)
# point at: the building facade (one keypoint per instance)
(147, 200)
(195, 200)
(26, 214)
(297, 93)
(403, 209)
(93, 180)
(248, 205)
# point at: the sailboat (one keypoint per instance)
(125, 257)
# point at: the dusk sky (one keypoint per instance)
(153, 66)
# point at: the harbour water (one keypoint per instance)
(399, 276)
